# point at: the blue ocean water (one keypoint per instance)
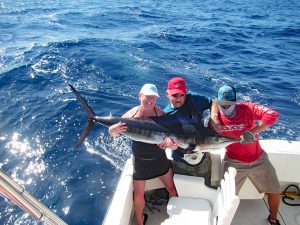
(107, 50)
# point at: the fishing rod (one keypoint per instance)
(19, 196)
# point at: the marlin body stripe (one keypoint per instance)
(154, 130)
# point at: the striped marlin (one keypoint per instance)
(154, 130)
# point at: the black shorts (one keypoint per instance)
(145, 169)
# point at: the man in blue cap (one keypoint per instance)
(238, 120)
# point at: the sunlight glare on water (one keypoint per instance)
(31, 159)
(107, 50)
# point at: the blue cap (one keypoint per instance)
(226, 95)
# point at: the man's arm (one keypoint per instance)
(214, 118)
(266, 117)
(259, 128)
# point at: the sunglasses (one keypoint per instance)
(178, 95)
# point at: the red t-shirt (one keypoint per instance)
(245, 118)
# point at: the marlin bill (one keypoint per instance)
(154, 130)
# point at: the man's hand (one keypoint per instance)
(169, 143)
(247, 137)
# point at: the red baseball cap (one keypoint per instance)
(176, 86)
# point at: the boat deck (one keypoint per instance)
(249, 212)
(254, 211)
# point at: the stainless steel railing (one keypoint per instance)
(19, 196)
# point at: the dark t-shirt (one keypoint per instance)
(191, 113)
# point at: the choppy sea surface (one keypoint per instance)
(108, 50)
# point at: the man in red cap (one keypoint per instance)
(190, 106)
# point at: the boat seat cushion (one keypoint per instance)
(188, 210)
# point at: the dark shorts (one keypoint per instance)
(145, 169)
(261, 173)
(201, 170)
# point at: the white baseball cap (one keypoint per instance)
(149, 89)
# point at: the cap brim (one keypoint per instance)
(149, 93)
(176, 91)
(225, 102)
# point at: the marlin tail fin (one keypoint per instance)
(91, 115)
